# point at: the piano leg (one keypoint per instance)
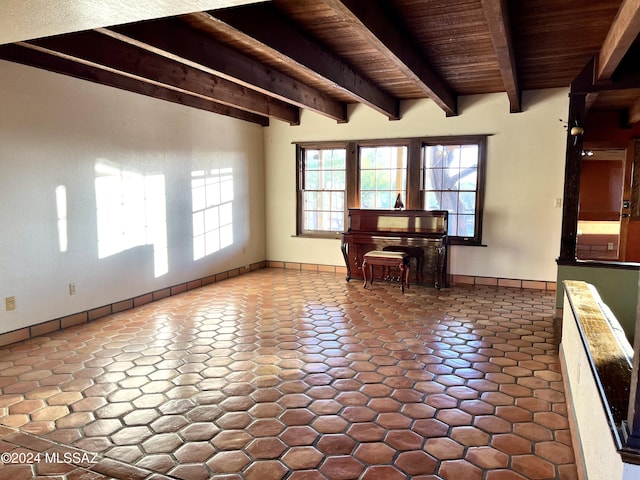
(440, 261)
(365, 265)
(343, 248)
(407, 267)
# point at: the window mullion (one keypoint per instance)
(414, 160)
(353, 184)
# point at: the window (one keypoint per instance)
(443, 173)
(383, 175)
(450, 182)
(323, 187)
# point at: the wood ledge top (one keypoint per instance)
(608, 350)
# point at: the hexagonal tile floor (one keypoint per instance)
(287, 374)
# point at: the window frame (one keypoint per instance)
(414, 193)
(375, 144)
(301, 148)
(481, 142)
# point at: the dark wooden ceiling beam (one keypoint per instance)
(264, 27)
(373, 24)
(623, 80)
(174, 39)
(103, 51)
(497, 15)
(40, 59)
(590, 100)
(623, 32)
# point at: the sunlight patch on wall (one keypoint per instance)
(131, 211)
(212, 202)
(61, 213)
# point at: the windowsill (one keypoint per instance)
(325, 236)
(465, 243)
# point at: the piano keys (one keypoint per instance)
(420, 233)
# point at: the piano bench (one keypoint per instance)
(386, 259)
(413, 252)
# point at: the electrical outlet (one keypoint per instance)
(610, 246)
(72, 288)
(10, 303)
(557, 202)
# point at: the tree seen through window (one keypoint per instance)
(383, 175)
(450, 183)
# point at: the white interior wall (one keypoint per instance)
(525, 171)
(53, 131)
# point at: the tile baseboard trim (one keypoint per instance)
(453, 279)
(503, 282)
(79, 318)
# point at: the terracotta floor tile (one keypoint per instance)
(533, 431)
(265, 427)
(470, 436)
(457, 469)
(231, 439)
(514, 414)
(300, 435)
(415, 463)
(266, 470)
(283, 373)
(129, 453)
(404, 440)
(383, 472)
(228, 462)
(302, 458)
(329, 424)
(297, 416)
(341, 467)
(443, 448)
(264, 448)
(555, 452)
(307, 475)
(157, 462)
(454, 417)
(233, 420)
(26, 406)
(191, 432)
(162, 443)
(512, 444)
(366, 432)
(568, 472)
(50, 413)
(374, 453)
(487, 457)
(533, 467)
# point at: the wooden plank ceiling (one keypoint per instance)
(272, 59)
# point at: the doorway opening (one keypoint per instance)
(601, 202)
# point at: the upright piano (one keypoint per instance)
(420, 233)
